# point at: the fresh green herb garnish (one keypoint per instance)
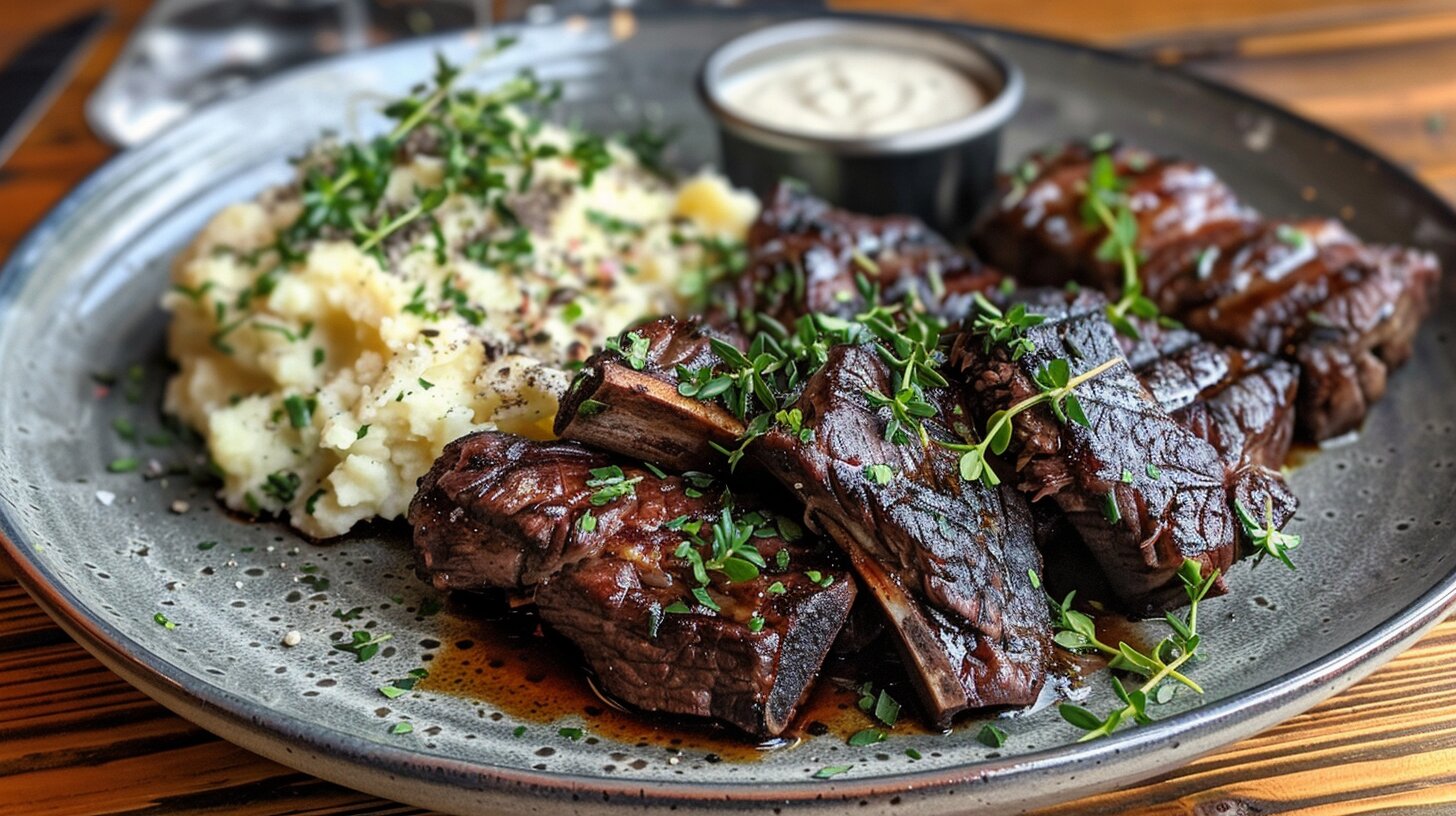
(881, 706)
(867, 736)
(611, 223)
(633, 347)
(611, 484)
(991, 736)
(282, 485)
(163, 622)
(401, 728)
(572, 734)
(1057, 384)
(1291, 235)
(731, 551)
(1267, 540)
(1110, 509)
(124, 465)
(1008, 328)
(363, 645)
(831, 771)
(587, 522)
(1106, 204)
(1077, 631)
(879, 474)
(124, 429)
(300, 410)
(404, 685)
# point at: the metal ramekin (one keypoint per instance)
(941, 173)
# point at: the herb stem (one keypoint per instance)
(1169, 670)
(1130, 282)
(998, 428)
(388, 228)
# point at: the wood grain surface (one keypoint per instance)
(75, 739)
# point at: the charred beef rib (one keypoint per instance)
(625, 399)
(606, 546)
(948, 561)
(1306, 290)
(1143, 491)
(806, 256)
(1240, 401)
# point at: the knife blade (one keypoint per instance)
(31, 79)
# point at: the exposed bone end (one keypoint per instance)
(616, 408)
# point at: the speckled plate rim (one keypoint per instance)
(1044, 777)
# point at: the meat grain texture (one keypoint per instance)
(1307, 290)
(502, 512)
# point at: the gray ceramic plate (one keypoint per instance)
(79, 297)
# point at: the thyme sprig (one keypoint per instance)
(1159, 664)
(908, 341)
(1005, 328)
(758, 384)
(730, 548)
(1057, 384)
(1105, 204)
(346, 190)
(1077, 632)
(1267, 539)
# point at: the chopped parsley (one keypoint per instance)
(867, 736)
(282, 485)
(879, 474)
(991, 736)
(124, 465)
(300, 410)
(633, 347)
(363, 645)
(611, 484)
(124, 429)
(831, 771)
(404, 685)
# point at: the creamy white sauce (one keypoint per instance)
(839, 91)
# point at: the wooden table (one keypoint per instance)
(75, 739)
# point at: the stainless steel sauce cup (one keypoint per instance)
(941, 173)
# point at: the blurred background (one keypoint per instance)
(113, 73)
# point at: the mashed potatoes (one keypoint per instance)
(327, 375)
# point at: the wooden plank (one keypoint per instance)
(78, 740)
